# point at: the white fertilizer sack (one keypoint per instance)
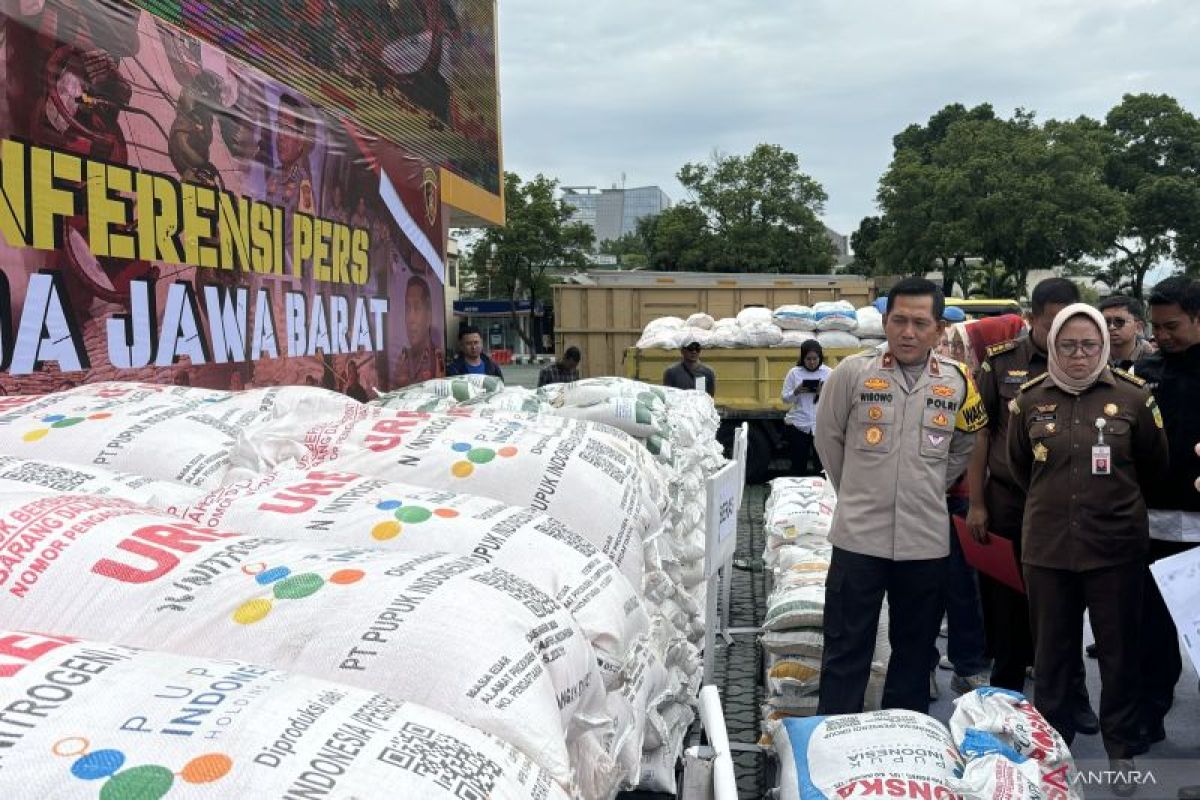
(550, 464)
(634, 417)
(703, 321)
(724, 338)
(997, 721)
(459, 388)
(870, 323)
(796, 606)
(795, 318)
(85, 719)
(759, 335)
(797, 338)
(835, 315)
(994, 777)
(471, 640)
(754, 316)
(171, 433)
(876, 754)
(838, 340)
(590, 391)
(349, 510)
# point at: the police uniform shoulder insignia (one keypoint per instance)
(1002, 347)
(1129, 376)
(1034, 382)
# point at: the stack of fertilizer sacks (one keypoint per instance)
(997, 747)
(343, 598)
(674, 434)
(799, 513)
(835, 324)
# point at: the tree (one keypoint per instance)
(537, 235)
(863, 242)
(992, 280)
(629, 248)
(927, 215)
(761, 211)
(1024, 195)
(1153, 161)
(1043, 202)
(678, 239)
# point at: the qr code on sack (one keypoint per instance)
(51, 477)
(448, 762)
(533, 598)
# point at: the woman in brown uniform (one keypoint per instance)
(1083, 441)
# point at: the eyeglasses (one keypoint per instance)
(1069, 347)
(1116, 323)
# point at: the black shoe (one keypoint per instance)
(1086, 722)
(1122, 785)
(1090, 650)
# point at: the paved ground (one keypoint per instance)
(739, 677)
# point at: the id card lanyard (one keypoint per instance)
(1101, 453)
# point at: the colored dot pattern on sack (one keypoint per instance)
(144, 782)
(476, 456)
(59, 421)
(286, 586)
(405, 514)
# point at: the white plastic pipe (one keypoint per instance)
(713, 718)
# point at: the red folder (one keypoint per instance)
(995, 559)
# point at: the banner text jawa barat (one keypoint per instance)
(167, 213)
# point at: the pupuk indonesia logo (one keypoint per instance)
(286, 586)
(474, 456)
(54, 422)
(403, 514)
(143, 782)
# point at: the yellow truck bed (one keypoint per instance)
(606, 317)
(749, 380)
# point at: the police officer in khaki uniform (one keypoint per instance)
(1085, 442)
(894, 428)
(998, 504)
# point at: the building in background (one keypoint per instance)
(841, 244)
(612, 213)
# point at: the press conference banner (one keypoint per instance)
(170, 214)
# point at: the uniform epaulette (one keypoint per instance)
(1002, 347)
(1129, 376)
(1034, 381)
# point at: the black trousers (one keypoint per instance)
(1161, 661)
(1113, 598)
(1006, 621)
(802, 450)
(854, 592)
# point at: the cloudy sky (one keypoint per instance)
(592, 89)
